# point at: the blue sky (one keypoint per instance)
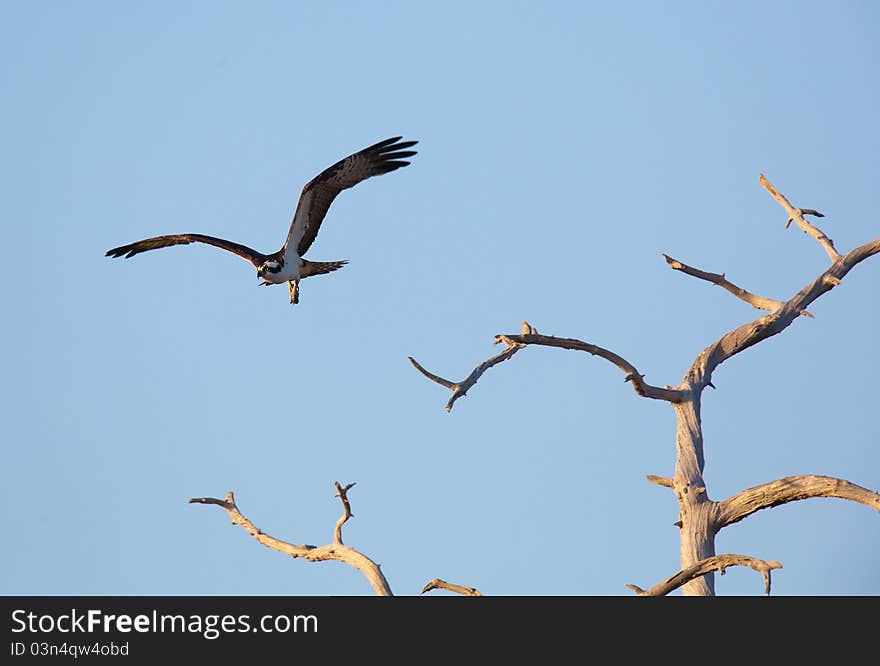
(562, 148)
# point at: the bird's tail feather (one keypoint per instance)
(320, 267)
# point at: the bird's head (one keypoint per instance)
(268, 268)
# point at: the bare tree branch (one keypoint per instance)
(747, 335)
(460, 389)
(631, 374)
(797, 215)
(452, 386)
(715, 563)
(790, 489)
(342, 494)
(665, 481)
(439, 584)
(530, 336)
(758, 302)
(334, 551)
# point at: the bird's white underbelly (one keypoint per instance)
(292, 270)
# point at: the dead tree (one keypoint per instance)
(701, 518)
(333, 551)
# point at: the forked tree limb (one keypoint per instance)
(700, 373)
(757, 302)
(460, 389)
(342, 494)
(797, 215)
(530, 336)
(715, 563)
(440, 584)
(790, 489)
(335, 551)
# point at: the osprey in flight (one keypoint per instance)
(288, 264)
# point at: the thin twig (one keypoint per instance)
(757, 302)
(797, 215)
(664, 481)
(342, 494)
(335, 551)
(440, 584)
(460, 389)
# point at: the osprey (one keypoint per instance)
(288, 264)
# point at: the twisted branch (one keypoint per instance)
(715, 563)
(460, 389)
(335, 551)
(342, 494)
(530, 336)
(790, 489)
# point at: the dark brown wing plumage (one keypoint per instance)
(252, 256)
(315, 200)
(319, 193)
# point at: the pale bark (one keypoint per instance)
(334, 551)
(440, 584)
(757, 302)
(699, 517)
(789, 489)
(700, 373)
(797, 215)
(716, 563)
(530, 336)
(460, 389)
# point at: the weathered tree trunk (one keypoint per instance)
(697, 534)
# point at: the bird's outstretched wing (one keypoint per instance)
(320, 192)
(252, 256)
